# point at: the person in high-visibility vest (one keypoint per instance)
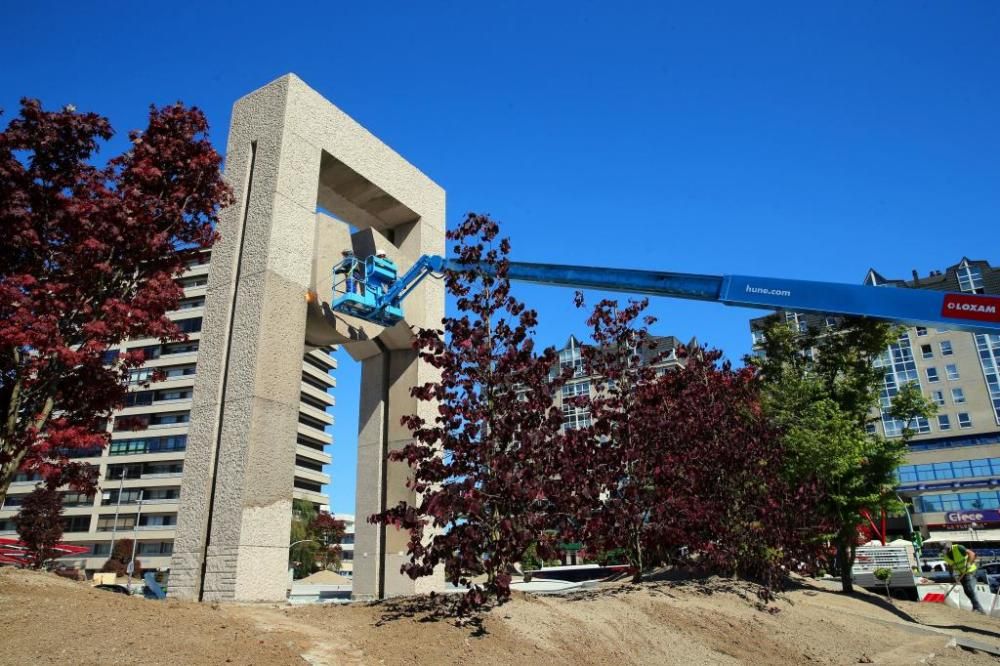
(962, 562)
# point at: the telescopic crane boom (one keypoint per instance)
(372, 290)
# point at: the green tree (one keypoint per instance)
(303, 555)
(821, 388)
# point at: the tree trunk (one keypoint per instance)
(7, 472)
(845, 560)
(637, 559)
(11, 467)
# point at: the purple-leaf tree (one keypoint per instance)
(724, 503)
(479, 467)
(39, 524)
(679, 464)
(89, 258)
(609, 482)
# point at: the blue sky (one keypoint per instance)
(801, 140)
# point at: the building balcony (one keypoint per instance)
(156, 407)
(311, 496)
(27, 485)
(317, 394)
(171, 359)
(167, 426)
(160, 430)
(318, 374)
(321, 457)
(314, 434)
(324, 359)
(193, 312)
(111, 504)
(313, 412)
(197, 269)
(143, 481)
(311, 475)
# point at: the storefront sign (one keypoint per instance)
(975, 516)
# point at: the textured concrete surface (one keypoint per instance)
(289, 152)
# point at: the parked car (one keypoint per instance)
(989, 574)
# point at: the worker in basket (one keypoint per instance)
(962, 562)
(354, 281)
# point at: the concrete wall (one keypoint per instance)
(290, 151)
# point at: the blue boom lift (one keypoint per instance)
(371, 289)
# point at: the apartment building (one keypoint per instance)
(140, 471)
(663, 353)
(952, 470)
(346, 544)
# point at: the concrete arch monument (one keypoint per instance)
(291, 154)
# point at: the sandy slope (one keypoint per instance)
(48, 620)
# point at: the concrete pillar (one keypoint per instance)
(290, 151)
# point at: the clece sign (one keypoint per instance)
(965, 517)
(968, 306)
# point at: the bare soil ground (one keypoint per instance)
(49, 620)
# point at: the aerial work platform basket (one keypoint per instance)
(360, 287)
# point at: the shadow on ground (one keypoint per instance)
(431, 608)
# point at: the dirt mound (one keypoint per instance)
(48, 620)
(45, 619)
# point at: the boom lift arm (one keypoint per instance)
(372, 290)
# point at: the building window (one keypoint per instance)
(158, 520)
(140, 375)
(71, 499)
(957, 396)
(575, 417)
(169, 418)
(196, 281)
(124, 447)
(964, 421)
(970, 278)
(156, 548)
(107, 523)
(946, 349)
(576, 389)
(946, 471)
(192, 325)
(959, 501)
(180, 347)
(944, 422)
(921, 331)
(900, 368)
(76, 523)
(139, 398)
(988, 347)
(932, 375)
(952, 371)
(926, 351)
(571, 358)
(149, 352)
(938, 398)
(176, 371)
